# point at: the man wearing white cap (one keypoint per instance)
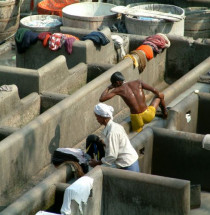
(118, 150)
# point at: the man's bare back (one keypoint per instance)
(133, 95)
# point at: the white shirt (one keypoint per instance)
(118, 148)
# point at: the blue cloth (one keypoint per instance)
(134, 167)
(97, 37)
(28, 38)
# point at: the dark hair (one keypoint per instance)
(94, 145)
(92, 138)
(117, 76)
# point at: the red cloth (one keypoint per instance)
(45, 41)
(42, 35)
(56, 41)
(157, 40)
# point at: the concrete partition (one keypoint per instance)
(114, 192)
(190, 114)
(37, 55)
(127, 192)
(16, 112)
(175, 154)
(63, 125)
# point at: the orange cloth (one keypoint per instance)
(70, 36)
(147, 50)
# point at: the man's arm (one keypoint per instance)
(152, 89)
(107, 94)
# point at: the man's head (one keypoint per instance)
(117, 79)
(103, 113)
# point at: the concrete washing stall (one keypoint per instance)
(53, 77)
(63, 126)
(110, 195)
(191, 114)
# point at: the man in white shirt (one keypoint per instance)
(118, 150)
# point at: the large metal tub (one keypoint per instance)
(152, 26)
(89, 15)
(25, 23)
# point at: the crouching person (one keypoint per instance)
(118, 150)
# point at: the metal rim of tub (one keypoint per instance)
(166, 6)
(90, 18)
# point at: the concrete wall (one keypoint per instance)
(136, 193)
(203, 124)
(174, 154)
(41, 196)
(188, 106)
(37, 55)
(16, 112)
(52, 77)
(114, 192)
(179, 154)
(196, 105)
(62, 126)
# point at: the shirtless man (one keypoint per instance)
(133, 95)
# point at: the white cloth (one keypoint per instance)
(78, 191)
(44, 213)
(76, 152)
(104, 110)
(118, 150)
(206, 142)
(118, 42)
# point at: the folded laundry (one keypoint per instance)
(147, 50)
(142, 59)
(135, 62)
(97, 37)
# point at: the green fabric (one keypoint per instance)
(20, 33)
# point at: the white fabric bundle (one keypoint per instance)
(78, 191)
(118, 42)
(78, 153)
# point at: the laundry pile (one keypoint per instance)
(151, 46)
(24, 37)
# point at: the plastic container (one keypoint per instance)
(28, 21)
(146, 26)
(53, 7)
(89, 15)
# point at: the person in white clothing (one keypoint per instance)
(118, 150)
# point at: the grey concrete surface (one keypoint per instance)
(67, 119)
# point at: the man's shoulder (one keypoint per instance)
(115, 127)
(133, 82)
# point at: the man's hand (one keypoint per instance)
(94, 162)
